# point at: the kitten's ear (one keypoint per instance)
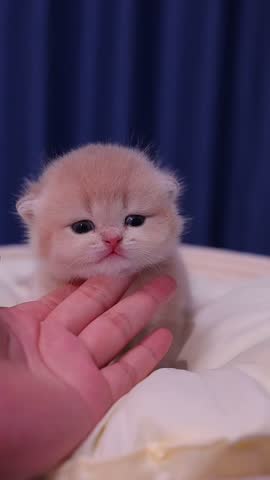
(172, 186)
(26, 205)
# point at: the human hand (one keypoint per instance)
(55, 371)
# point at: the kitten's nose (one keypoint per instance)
(112, 240)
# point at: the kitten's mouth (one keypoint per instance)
(111, 255)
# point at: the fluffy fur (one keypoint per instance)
(105, 184)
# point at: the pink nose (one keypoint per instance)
(113, 240)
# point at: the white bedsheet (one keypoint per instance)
(210, 422)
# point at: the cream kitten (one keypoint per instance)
(106, 209)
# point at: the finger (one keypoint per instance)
(137, 363)
(106, 336)
(41, 308)
(88, 301)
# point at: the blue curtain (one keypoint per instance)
(191, 78)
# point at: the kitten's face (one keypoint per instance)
(101, 210)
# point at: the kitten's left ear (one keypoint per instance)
(26, 205)
(172, 186)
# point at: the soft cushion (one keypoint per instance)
(212, 421)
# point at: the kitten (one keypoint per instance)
(101, 199)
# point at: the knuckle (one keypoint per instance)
(96, 294)
(150, 296)
(130, 372)
(121, 322)
(150, 353)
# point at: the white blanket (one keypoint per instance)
(212, 421)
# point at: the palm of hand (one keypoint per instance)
(61, 348)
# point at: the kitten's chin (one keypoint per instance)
(108, 268)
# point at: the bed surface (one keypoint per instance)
(210, 422)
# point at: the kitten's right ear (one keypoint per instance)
(172, 186)
(26, 205)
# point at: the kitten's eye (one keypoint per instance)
(134, 220)
(83, 226)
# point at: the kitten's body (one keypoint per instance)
(106, 184)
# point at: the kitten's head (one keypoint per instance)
(101, 209)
